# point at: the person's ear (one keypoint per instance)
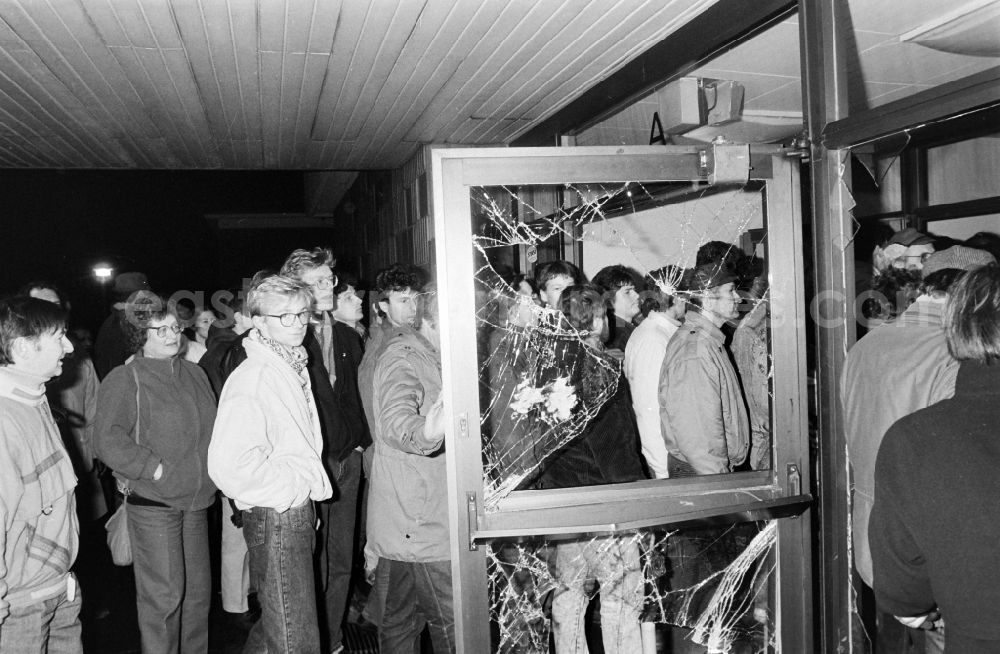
(22, 348)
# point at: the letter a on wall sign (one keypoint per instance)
(656, 131)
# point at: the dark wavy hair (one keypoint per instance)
(546, 271)
(581, 303)
(27, 317)
(139, 314)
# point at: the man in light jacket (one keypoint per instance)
(39, 601)
(266, 454)
(702, 410)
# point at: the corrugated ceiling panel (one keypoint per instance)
(325, 17)
(206, 38)
(62, 101)
(196, 124)
(582, 62)
(346, 63)
(272, 80)
(565, 67)
(483, 71)
(434, 52)
(160, 109)
(387, 32)
(244, 20)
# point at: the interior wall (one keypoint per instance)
(670, 234)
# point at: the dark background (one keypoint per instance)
(56, 225)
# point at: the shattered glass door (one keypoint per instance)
(547, 531)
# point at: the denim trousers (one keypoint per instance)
(281, 570)
(614, 563)
(173, 578)
(49, 626)
(414, 595)
(335, 558)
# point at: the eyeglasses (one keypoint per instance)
(288, 319)
(163, 330)
(324, 283)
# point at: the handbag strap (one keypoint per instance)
(125, 488)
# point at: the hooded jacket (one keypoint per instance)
(408, 499)
(176, 411)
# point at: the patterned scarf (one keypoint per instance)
(296, 357)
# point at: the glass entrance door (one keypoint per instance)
(547, 511)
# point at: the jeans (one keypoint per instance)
(614, 563)
(414, 595)
(50, 626)
(234, 569)
(336, 549)
(173, 580)
(281, 569)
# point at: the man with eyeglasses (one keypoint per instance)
(266, 454)
(334, 355)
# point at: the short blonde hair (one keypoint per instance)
(274, 289)
(972, 316)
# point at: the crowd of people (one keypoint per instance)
(915, 474)
(292, 415)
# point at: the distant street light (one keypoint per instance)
(103, 273)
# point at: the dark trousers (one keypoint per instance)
(414, 595)
(335, 558)
(173, 579)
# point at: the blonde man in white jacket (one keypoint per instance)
(266, 455)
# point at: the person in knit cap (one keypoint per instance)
(897, 368)
(112, 346)
(39, 599)
(936, 522)
(702, 410)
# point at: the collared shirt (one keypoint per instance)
(643, 360)
(895, 369)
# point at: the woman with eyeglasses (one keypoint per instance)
(154, 422)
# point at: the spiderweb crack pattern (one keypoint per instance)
(541, 386)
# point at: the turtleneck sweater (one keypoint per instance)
(40, 535)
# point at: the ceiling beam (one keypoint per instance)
(268, 221)
(951, 99)
(717, 29)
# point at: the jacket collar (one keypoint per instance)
(21, 386)
(925, 311)
(698, 322)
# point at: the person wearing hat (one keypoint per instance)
(897, 368)
(112, 346)
(702, 411)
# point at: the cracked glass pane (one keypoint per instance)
(552, 376)
(695, 589)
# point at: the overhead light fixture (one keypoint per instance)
(971, 29)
